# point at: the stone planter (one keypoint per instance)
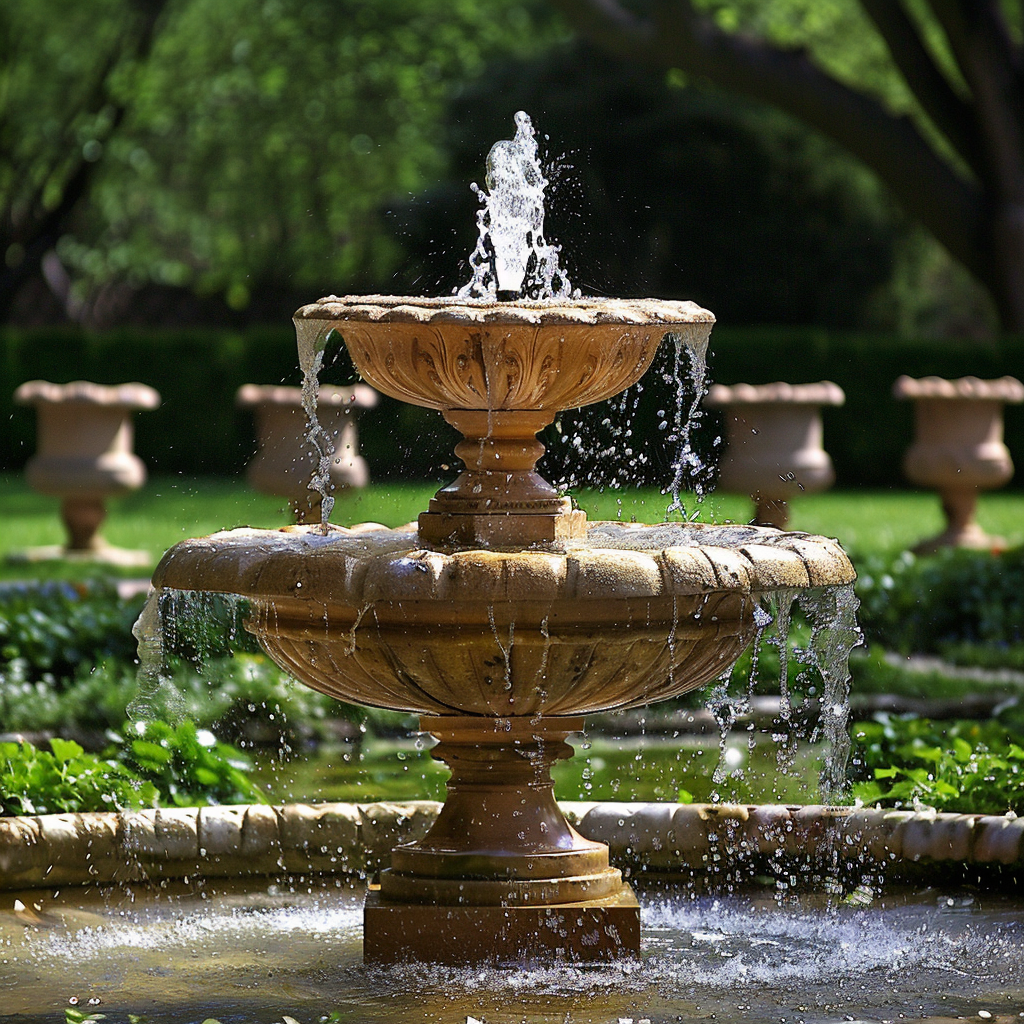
(958, 449)
(774, 443)
(284, 462)
(84, 456)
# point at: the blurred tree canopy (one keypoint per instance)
(927, 93)
(222, 144)
(255, 152)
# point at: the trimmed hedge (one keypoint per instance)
(199, 430)
(868, 435)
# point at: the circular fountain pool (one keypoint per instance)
(188, 953)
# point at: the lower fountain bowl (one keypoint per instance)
(630, 615)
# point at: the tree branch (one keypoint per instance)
(988, 59)
(927, 187)
(950, 113)
(41, 229)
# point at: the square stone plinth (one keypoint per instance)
(586, 932)
(500, 529)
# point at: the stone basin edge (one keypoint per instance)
(344, 567)
(47, 851)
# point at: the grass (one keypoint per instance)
(170, 509)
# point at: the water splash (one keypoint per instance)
(835, 633)
(148, 631)
(157, 696)
(511, 258)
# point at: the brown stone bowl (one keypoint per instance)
(635, 614)
(460, 354)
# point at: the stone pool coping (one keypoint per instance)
(355, 839)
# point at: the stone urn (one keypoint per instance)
(85, 440)
(284, 461)
(774, 443)
(958, 449)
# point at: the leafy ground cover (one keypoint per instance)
(965, 766)
(150, 764)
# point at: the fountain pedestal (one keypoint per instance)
(499, 500)
(501, 869)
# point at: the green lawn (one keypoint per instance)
(169, 509)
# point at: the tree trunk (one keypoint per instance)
(975, 209)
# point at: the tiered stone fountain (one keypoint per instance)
(504, 616)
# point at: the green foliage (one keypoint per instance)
(186, 765)
(837, 34)
(149, 764)
(935, 603)
(245, 698)
(66, 779)
(963, 766)
(264, 135)
(75, 1016)
(68, 661)
(60, 629)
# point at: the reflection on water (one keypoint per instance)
(186, 955)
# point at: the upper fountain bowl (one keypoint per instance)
(451, 353)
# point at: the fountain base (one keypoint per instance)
(587, 931)
(501, 870)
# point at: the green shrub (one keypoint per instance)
(943, 601)
(68, 664)
(66, 779)
(147, 764)
(964, 766)
(55, 630)
(186, 765)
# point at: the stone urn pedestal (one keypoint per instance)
(958, 450)
(84, 456)
(284, 462)
(774, 443)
